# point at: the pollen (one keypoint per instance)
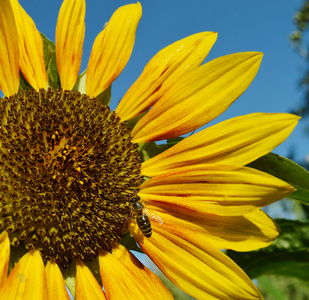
(68, 169)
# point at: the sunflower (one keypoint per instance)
(79, 181)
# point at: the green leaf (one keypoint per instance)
(69, 277)
(173, 141)
(287, 256)
(24, 85)
(268, 286)
(129, 242)
(105, 96)
(149, 150)
(80, 84)
(288, 171)
(132, 122)
(51, 62)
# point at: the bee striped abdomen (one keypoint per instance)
(144, 225)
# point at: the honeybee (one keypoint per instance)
(141, 213)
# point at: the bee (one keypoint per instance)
(140, 213)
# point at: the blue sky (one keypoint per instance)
(242, 26)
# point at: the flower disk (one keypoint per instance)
(68, 169)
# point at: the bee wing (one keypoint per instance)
(127, 221)
(153, 215)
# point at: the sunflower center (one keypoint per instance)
(68, 170)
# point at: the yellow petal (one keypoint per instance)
(55, 284)
(240, 233)
(163, 71)
(198, 97)
(4, 256)
(70, 32)
(236, 141)
(213, 189)
(9, 64)
(118, 281)
(125, 277)
(27, 281)
(31, 55)
(195, 266)
(112, 49)
(87, 287)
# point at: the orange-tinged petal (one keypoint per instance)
(31, 55)
(198, 97)
(112, 49)
(118, 280)
(213, 189)
(136, 282)
(87, 287)
(70, 32)
(236, 141)
(163, 71)
(240, 233)
(55, 285)
(9, 64)
(4, 256)
(195, 266)
(27, 281)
